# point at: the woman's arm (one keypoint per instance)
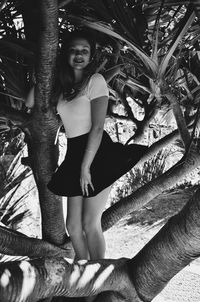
(98, 114)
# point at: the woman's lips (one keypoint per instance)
(78, 61)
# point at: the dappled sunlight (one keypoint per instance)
(138, 110)
(29, 280)
(82, 262)
(6, 258)
(69, 260)
(75, 275)
(103, 276)
(5, 278)
(82, 276)
(87, 274)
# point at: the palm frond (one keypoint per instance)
(13, 209)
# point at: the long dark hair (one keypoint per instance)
(65, 80)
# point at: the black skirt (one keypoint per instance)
(111, 161)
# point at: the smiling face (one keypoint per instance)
(79, 53)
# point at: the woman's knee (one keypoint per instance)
(73, 228)
(91, 225)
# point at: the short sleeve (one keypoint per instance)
(97, 87)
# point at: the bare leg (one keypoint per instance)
(75, 227)
(93, 208)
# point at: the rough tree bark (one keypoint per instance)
(15, 243)
(43, 125)
(173, 247)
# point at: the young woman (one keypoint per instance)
(93, 161)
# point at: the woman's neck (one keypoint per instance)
(78, 75)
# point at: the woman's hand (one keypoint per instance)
(85, 180)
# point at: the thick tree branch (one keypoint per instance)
(59, 277)
(152, 189)
(173, 247)
(164, 142)
(158, 145)
(15, 243)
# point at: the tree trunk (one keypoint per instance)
(43, 126)
(43, 157)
